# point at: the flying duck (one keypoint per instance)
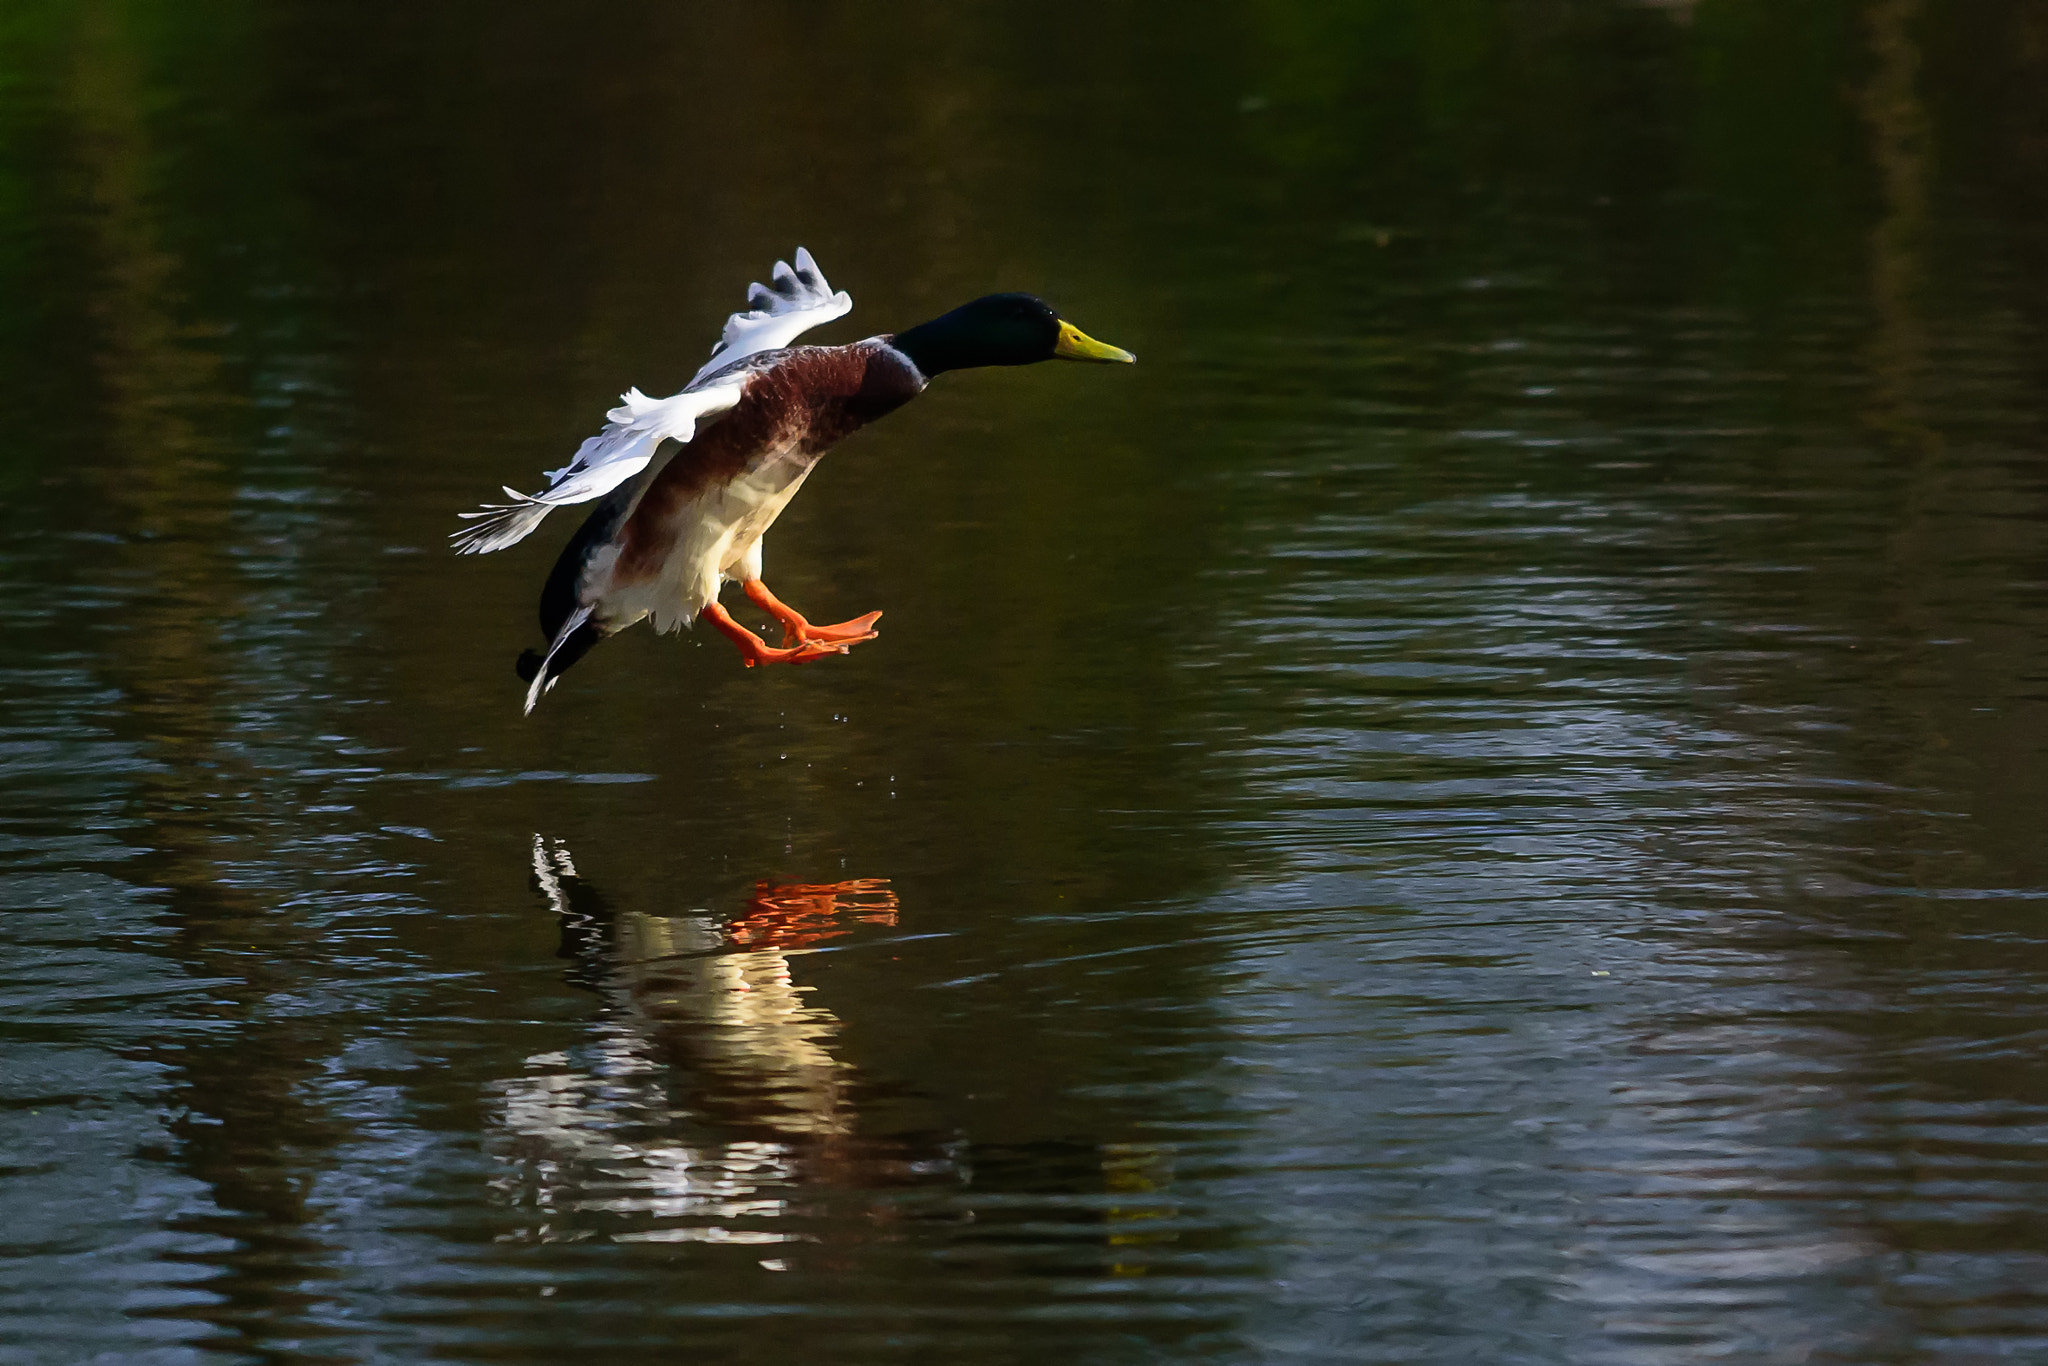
(689, 484)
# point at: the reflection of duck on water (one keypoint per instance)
(709, 1082)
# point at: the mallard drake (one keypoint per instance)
(690, 483)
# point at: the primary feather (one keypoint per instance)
(796, 300)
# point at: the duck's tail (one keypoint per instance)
(570, 644)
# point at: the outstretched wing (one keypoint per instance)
(796, 300)
(637, 428)
(791, 304)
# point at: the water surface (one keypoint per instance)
(1483, 803)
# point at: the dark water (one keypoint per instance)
(1483, 804)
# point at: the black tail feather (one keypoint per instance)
(577, 645)
(561, 597)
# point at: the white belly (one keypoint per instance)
(712, 538)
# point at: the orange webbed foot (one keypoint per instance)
(795, 629)
(808, 652)
(754, 650)
(849, 632)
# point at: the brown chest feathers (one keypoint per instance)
(795, 409)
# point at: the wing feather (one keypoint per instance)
(636, 430)
(796, 299)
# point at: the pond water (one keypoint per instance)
(1484, 803)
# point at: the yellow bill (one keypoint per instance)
(1074, 344)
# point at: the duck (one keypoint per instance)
(687, 486)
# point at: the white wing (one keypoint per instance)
(796, 301)
(637, 428)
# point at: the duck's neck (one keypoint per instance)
(933, 347)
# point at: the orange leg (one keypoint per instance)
(754, 650)
(795, 629)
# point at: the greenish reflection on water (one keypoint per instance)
(1481, 804)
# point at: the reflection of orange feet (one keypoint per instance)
(797, 630)
(754, 650)
(794, 915)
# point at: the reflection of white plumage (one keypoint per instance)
(707, 1095)
(742, 1015)
(798, 300)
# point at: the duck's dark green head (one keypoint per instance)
(1000, 329)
